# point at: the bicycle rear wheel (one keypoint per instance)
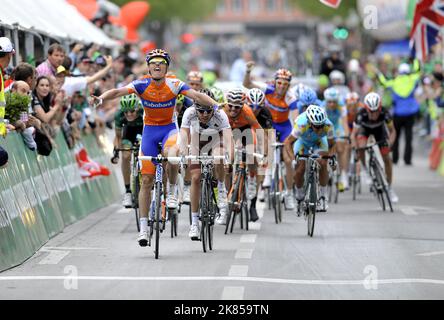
(157, 218)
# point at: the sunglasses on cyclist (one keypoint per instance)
(202, 111)
(234, 106)
(130, 111)
(317, 127)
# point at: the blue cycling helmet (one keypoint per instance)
(331, 94)
(308, 96)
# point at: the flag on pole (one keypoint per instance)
(427, 22)
(331, 3)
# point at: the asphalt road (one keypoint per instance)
(357, 252)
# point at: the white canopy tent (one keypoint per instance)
(53, 18)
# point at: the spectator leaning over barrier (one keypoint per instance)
(3, 158)
(6, 52)
(41, 100)
(56, 54)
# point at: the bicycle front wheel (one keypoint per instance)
(313, 199)
(135, 196)
(157, 218)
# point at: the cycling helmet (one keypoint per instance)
(316, 115)
(283, 74)
(372, 102)
(298, 90)
(352, 97)
(404, 68)
(323, 81)
(337, 75)
(129, 103)
(308, 96)
(255, 97)
(218, 94)
(331, 94)
(195, 76)
(180, 99)
(236, 97)
(158, 53)
(201, 106)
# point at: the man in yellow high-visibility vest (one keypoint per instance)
(6, 52)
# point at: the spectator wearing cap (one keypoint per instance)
(56, 54)
(3, 158)
(6, 52)
(83, 67)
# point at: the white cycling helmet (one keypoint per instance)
(235, 97)
(372, 101)
(316, 115)
(331, 94)
(337, 75)
(404, 68)
(255, 97)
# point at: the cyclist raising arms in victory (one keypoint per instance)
(129, 124)
(280, 101)
(158, 94)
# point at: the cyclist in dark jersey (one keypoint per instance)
(376, 121)
(128, 125)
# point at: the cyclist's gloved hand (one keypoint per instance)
(115, 157)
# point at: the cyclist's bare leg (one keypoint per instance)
(173, 169)
(126, 167)
(195, 189)
(323, 173)
(145, 194)
(289, 170)
(299, 174)
(388, 167)
(361, 153)
(342, 155)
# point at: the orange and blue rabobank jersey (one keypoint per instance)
(279, 107)
(158, 101)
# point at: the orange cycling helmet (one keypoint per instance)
(283, 74)
(352, 97)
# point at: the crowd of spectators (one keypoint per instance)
(53, 96)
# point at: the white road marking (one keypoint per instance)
(248, 238)
(416, 210)
(54, 257)
(243, 254)
(228, 278)
(238, 271)
(429, 254)
(409, 211)
(70, 248)
(233, 293)
(254, 226)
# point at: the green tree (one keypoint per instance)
(316, 8)
(163, 11)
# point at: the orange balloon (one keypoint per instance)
(88, 8)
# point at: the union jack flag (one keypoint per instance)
(427, 22)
